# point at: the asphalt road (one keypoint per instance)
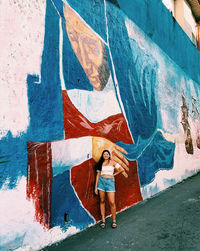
(168, 221)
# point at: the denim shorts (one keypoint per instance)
(106, 184)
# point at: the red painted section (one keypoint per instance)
(39, 177)
(76, 125)
(83, 176)
(39, 180)
(127, 189)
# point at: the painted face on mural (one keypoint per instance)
(89, 49)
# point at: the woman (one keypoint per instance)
(106, 170)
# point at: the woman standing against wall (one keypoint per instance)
(106, 170)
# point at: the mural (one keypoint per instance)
(95, 82)
(93, 121)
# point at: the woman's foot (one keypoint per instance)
(114, 224)
(102, 224)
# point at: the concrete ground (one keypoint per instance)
(168, 221)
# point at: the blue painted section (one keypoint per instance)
(14, 159)
(64, 200)
(45, 98)
(152, 155)
(158, 23)
(59, 7)
(137, 85)
(59, 168)
(112, 75)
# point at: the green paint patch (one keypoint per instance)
(1, 157)
(2, 162)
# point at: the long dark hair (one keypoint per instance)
(98, 166)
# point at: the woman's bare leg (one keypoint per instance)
(111, 199)
(102, 195)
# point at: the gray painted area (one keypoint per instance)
(169, 221)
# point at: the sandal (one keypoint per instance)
(102, 224)
(114, 224)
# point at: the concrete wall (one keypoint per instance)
(74, 84)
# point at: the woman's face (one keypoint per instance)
(106, 155)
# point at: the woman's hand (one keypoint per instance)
(99, 144)
(121, 170)
(96, 191)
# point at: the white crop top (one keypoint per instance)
(109, 170)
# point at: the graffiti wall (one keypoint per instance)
(78, 78)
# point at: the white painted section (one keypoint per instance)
(169, 4)
(18, 228)
(70, 153)
(61, 54)
(96, 105)
(21, 39)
